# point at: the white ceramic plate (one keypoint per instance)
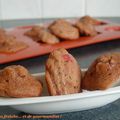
(64, 103)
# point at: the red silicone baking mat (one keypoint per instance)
(107, 32)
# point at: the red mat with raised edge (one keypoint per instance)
(108, 31)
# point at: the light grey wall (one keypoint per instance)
(21, 9)
(103, 7)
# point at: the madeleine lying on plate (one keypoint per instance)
(40, 34)
(63, 74)
(103, 73)
(9, 43)
(16, 81)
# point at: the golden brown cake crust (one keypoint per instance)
(64, 30)
(34, 32)
(90, 20)
(86, 29)
(103, 73)
(9, 43)
(2, 35)
(46, 37)
(16, 81)
(63, 74)
(40, 34)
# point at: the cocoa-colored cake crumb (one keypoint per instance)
(64, 30)
(16, 81)
(63, 75)
(9, 43)
(40, 34)
(103, 73)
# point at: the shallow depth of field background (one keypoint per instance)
(25, 9)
